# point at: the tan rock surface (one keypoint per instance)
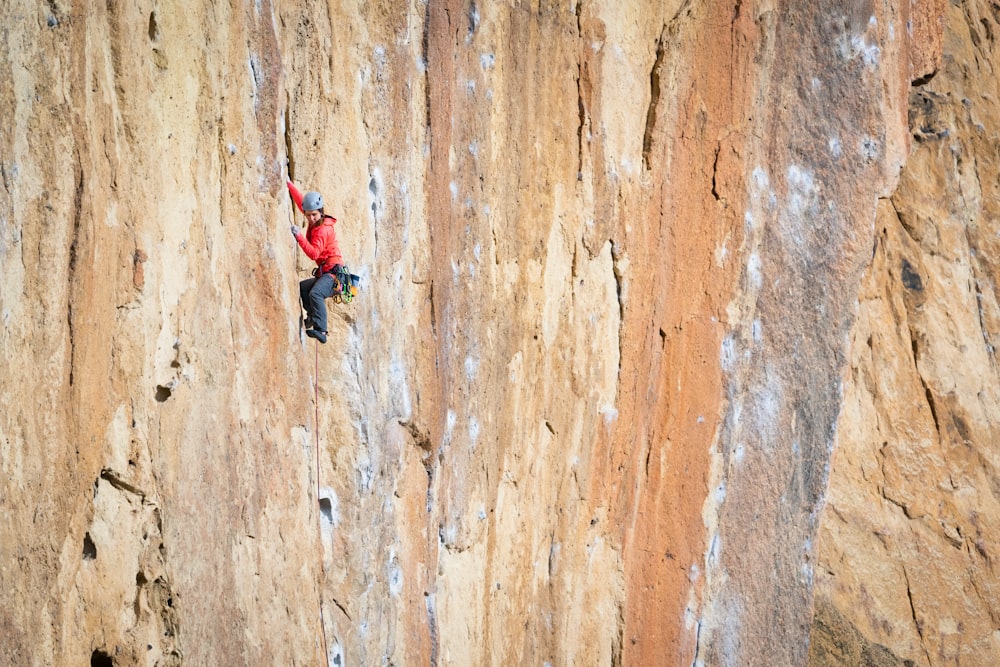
(912, 520)
(584, 409)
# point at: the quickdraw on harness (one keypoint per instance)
(346, 286)
(347, 283)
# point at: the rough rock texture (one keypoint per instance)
(617, 271)
(909, 536)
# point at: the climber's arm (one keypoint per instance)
(323, 245)
(296, 195)
(313, 252)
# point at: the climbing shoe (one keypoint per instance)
(309, 322)
(317, 334)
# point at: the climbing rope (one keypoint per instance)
(319, 514)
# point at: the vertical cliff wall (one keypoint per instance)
(906, 556)
(156, 498)
(585, 409)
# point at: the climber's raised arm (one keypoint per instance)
(296, 195)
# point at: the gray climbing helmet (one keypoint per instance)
(313, 201)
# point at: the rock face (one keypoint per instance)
(625, 383)
(907, 540)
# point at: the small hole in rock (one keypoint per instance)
(162, 393)
(326, 509)
(101, 659)
(89, 548)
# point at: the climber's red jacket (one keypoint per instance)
(320, 241)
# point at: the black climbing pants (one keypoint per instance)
(314, 293)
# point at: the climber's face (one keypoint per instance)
(313, 217)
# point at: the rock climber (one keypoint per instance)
(319, 242)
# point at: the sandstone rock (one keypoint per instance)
(584, 409)
(905, 559)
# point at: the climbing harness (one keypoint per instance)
(346, 282)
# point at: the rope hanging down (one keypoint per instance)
(321, 577)
(319, 514)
